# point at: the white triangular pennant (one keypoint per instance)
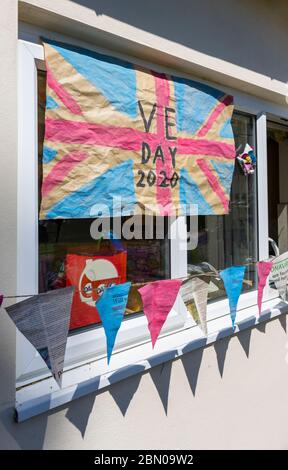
(194, 293)
(44, 320)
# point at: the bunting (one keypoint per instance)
(233, 279)
(194, 293)
(158, 299)
(111, 307)
(279, 275)
(44, 320)
(263, 269)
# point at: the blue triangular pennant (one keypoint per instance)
(111, 307)
(233, 279)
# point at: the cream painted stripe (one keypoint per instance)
(146, 93)
(96, 108)
(200, 179)
(215, 130)
(96, 163)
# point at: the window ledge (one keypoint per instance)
(44, 395)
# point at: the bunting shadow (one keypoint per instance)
(244, 335)
(191, 361)
(123, 391)
(282, 306)
(80, 410)
(264, 317)
(221, 347)
(160, 373)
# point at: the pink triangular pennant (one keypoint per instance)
(158, 299)
(263, 269)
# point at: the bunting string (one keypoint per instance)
(40, 316)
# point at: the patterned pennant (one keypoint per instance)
(263, 269)
(233, 279)
(279, 275)
(194, 293)
(111, 307)
(158, 299)
(44, 320)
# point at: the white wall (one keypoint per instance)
(244, 406)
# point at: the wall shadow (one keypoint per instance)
(123, 391)
(23, 435)
(221, 346)
(232, 31)
(191, 363)
(81, 408)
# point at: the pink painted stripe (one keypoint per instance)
(61, 169)
(214, 115)
(58, 130)
(163, 194)
(60, 91)
(94, 134)
(214, 183)
(205, 147)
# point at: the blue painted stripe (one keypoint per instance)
(48, 154)
(114, 78)
(51, 103)
(227, 132)
(194, 102)
(114, 186)
(190, 194)
(225, 173)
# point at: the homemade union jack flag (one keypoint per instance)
(120, 137)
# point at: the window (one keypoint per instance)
(277, 160)
(43, 248)
(231, 239)
(67, 250)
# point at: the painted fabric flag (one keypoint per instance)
(233, 279)
(111, 307)
(44, 320)
(120, 137)
(158, 299)
(263, 269)
(279, 275)
(194, 293)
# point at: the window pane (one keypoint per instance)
(228, 240)
(69, 255)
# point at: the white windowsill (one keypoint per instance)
(45, 395)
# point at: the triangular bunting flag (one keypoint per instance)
(158, 299)
(233, 279)
(279, 275)
(263, 269)
(111, 307)
(44, 320)
(194, 293)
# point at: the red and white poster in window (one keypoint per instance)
(90, 275)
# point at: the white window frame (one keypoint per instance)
(85, 358)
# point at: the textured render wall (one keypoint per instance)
(245, 33)
(245, 40)
(246, 407)
(8, 206)
(216, 398)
